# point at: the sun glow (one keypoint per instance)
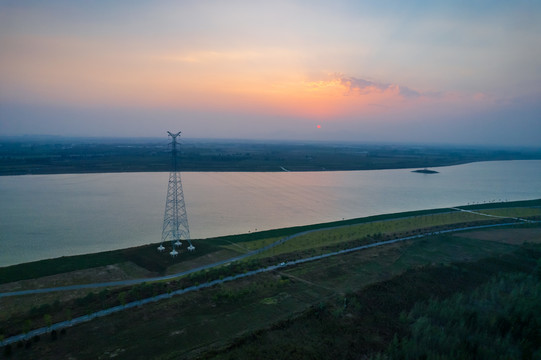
(266, 81)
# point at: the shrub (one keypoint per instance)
(7, 350)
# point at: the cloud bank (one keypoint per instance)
(363, 86)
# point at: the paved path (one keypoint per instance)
(493, 216)
(86, 318)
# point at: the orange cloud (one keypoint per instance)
(269, 80)
(333, 97)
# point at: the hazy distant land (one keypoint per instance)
(52, 155)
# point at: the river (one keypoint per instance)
(45, 216)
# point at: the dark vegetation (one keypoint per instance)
(492, 298)
(425, 171)
(51, 155)
(59, 265)
(452, 311)
(97, 300)
(500, 320)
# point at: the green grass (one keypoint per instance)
(356, 232)
(514, 212)
(508, 204)
(149, 258)
(42, 268)
(364, 267)
(145, 256)
(363, 322)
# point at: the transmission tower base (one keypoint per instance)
(191, 248)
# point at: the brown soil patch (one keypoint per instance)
(202, 260)
(21, 304)
(99, 274)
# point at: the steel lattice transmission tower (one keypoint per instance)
(175, 219)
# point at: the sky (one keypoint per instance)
(446, 72)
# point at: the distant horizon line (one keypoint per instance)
(263, 140)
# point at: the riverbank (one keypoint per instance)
(145, 256)
(281, 303)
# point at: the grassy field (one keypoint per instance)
(514, 212)
(379, 228)
(217, 321)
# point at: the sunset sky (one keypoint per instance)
(453, 72)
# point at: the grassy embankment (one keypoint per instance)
(266, 299)
(227, 246)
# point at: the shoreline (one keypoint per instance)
(242, 170)
(280, 170)
(279, 232)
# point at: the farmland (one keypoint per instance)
(58, 155)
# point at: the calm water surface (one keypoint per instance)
(44, 216)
